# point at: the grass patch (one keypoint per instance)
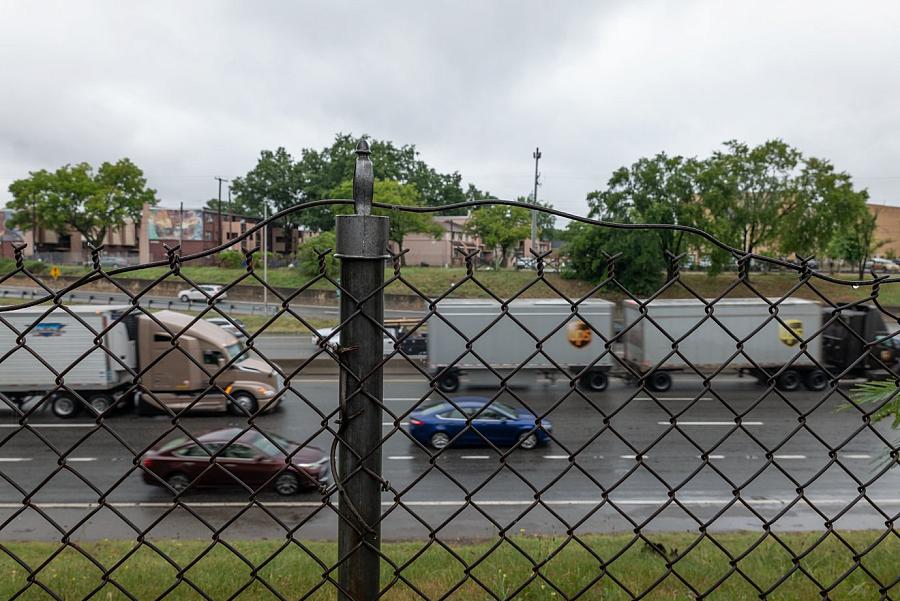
(567, 569)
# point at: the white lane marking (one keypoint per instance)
(632, 456)
(683, 423)
(474, 456)
(556, 456)
(856, 456)
(391, 424)
(48, 425)
(674, 398)
(400, 457)
(485, 503)
(82, 459)
(790, 456)
(712, 457)
(14, 459)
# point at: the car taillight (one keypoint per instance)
(416, 422)
(147, 462)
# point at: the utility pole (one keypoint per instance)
(219, 206)
(230, 211)
(181, 223)
(265, 245)
(537, 157)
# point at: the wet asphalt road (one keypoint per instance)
(638, 457)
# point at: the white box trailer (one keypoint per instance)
(712, 346)
(573, 342)
(61, 341)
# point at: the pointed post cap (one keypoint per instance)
(363, 180)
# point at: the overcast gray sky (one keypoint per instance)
(190, 90)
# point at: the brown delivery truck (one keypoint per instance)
(72, 368)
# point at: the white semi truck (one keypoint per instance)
(60, 360)
(506, 343)
(742, 335)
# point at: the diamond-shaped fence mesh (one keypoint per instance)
(461, 444)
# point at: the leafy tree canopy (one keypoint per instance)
(500, 226)
(78, 197)
(283, 181)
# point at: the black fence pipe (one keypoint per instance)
(361, 245)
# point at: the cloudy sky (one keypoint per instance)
(191, 90)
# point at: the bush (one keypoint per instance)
(639, 270)
(308, 259)
(234, 259)
(35, 266)
(231, 259)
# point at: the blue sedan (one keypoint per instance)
(500, 424)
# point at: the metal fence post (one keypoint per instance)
(361, 246)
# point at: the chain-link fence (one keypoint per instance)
(544, 444)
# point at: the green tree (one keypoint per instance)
(747, 191)
(283, 181)
(402, 222)
(772, 198)
(77, 197)
(500, 226)
(308, 258)
(638, 269)
(661, 189)
(856, 242)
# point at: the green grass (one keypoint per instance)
(293, 572)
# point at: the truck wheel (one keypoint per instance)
(659, 381)
(788, 381)
(816, 380)
(243, 404)
(449, 382)
(101, 403)
(595, 381)
(64, 407)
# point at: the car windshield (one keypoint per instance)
(233, 350)
(266, 446)
(509, 411)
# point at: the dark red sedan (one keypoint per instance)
(251, 459)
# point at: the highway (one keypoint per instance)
(637, 459)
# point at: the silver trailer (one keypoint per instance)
(575, 343)
(711, 346)
(62, 341)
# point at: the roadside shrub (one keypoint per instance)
(308, 260)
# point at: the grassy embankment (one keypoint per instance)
(293, 573)
(434, 281)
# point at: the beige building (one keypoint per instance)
(887, 227)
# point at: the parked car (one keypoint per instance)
(444, 424)
(109, 261)
(201, 292)
(228, 326)
(253, 459)
(879, 264)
